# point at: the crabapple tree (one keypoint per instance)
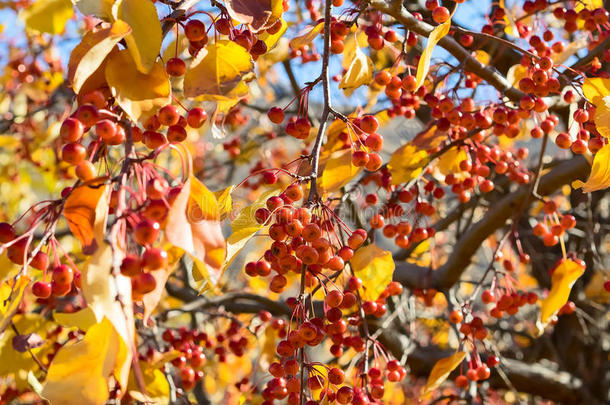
(304, 202)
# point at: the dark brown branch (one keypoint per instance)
(449, 273)
(395, 9)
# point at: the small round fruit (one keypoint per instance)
(63, 274)
(73, 153)
(71, 130)
(146, 232)
(85, 170)
(41, 289)
(175, 67)
(195, 30)
(154, 259)
(131, 266)
(196, 117)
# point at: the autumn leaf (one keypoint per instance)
(48, 16)
(11, 294)
(440, 372)
(449, 162)
(225, 202)
(193, 225)
(338, 171)
(80, 372)
(91, 52)
(306, 36)
(155, 384)
(424, 61)
(359, 72)
(597, 91)
(244, 227)
(80, 212)
(272, 39)
(139, 94)
(152, 299)
(562, 280)
(144, 42)
(219, 72)
(599, 178)
(99, 8)
(375, 267)
(254, 13)
(406, 163)
(82, 319)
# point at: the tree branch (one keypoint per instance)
(449, 273)
(395, 9)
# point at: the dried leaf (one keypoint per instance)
(91, 52)
(597, 91)
(254, 13)
(139, 94)
(441, 371)
(80, 372)
(424, 61)
(48, 16)
(406, 163)
(338, 171)
(359, 72)
(219, 73)
(375, 267)
(80, 211)
(562, 280)
(144, 42)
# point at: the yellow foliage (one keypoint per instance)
(599, 178)
(441, 371)
(375, 267)
(338, 171)
(406, 163)
(597, 91)
(359, 72)
(48, 15)
(562, 280)
(424, 61)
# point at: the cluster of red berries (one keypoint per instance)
(168, 116)
(557, 227)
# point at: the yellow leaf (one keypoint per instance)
(157, 387)
(225, 202)
(11, 294)
(424, 61)
(306, 36)
(350, 45)
(430, 138)
(193, 225)
(80, 211)
(80, 372)
(359, 72)
(516, 73)
(98, 8)
(219, 72)
(90, 53)
(406, 163)
(338, 171)
(599, 178)
(48, 15)
(375, 267)
(146, 36)
(562, 280)
(597, 91)
(482, 56)
(244, 227)
(449, 162)
(511, 28)
(139, 94)
(82, 319)
(441, 371)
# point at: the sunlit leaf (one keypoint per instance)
(306, 36)
(562, 280)
(338, 171)
(482, 56)
(441, 371)
(406, 163)
(375, 267)
(48, 15)
(272, 39)
(599, 178)
(193, 225)
(225, 202)
(144, 42)
(156, 385)
(98, 8)
(82, 319)
(90, 53)
(11, 294)
(597, 91)
(244, 227)
(516, 73)
(80, 211)
(359, 72)
(219, 72)
(449, 162)
(79, 372)
(139, 94)
(424, 61)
